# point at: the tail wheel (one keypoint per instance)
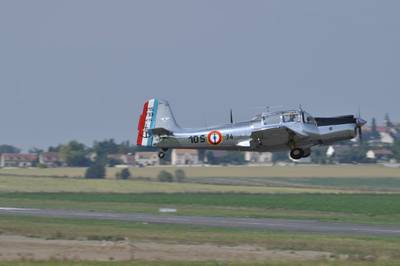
(296, 154)
(161, 155)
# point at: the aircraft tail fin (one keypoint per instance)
(156, 114)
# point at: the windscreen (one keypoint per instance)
(291, 117)
(308, 119)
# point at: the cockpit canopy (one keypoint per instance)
(291, 116)
(287, 117)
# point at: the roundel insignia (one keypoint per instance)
(214, 137)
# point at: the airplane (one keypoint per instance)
(295, 131)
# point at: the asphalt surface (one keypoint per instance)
(284, 225)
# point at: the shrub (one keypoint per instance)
(180, 175)
(42, 166)
(165, 176)
(96, 171)
(124, 174)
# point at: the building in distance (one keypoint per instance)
(258, 157)
(51, 159)
(147, 158)
(18, 160)
(185, 157)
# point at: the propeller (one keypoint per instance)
(359, 124)
(231, 116)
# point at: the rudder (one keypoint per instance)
(156, 114)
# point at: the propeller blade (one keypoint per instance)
(231, 116)
(359, 124)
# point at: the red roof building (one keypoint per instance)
(18, 159)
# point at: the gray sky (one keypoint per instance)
(82, 69)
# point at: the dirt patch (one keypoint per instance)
(25, 248)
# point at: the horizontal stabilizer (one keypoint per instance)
(160, 132)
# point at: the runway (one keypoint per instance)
(284, 225)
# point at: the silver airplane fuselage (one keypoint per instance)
(293, 130)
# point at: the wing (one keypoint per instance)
(275, 136)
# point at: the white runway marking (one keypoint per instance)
(16, 209)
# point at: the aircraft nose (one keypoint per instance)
(360, 122)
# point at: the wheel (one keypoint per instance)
(296, 154)
(161, 155)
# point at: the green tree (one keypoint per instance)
(396, 149)
(373, 125)
(388, 122)
(180, 175)
(74, 154)
(113, 162)
(9, 149)
(105, 147)
(374, 131)
(108, 147)
(124, 174)
(54, 149)
(40, 165)
(125, 147)
(357, 155)
(165, 176)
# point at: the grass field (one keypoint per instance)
(354, 248)
(204, 263)
(361, 184)
(229, 171)
(263, 179)
(50, 184)
(362, 194)
(372, 204)
(361, 208)
(371, 183)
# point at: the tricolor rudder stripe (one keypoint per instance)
(147, 121)
(142, 120)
